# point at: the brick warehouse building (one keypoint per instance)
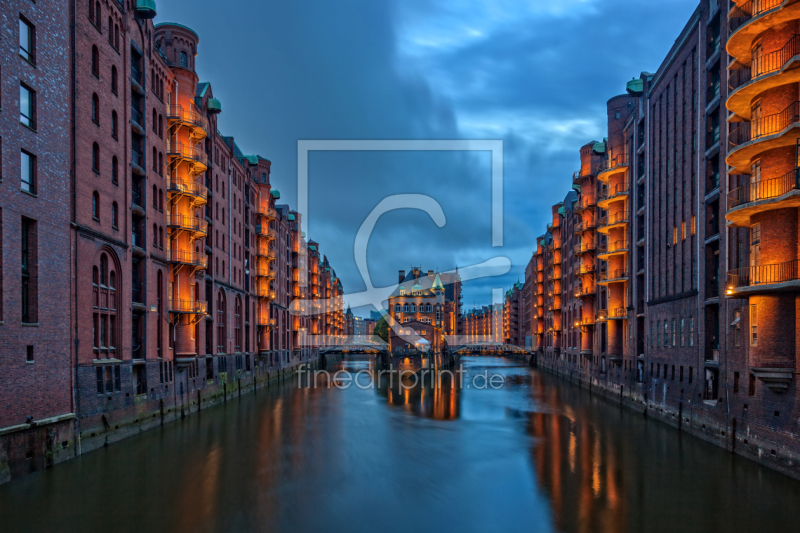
(679, 308)
(181, 268)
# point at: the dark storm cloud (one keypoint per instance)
(534, 74)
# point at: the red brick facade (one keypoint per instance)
(159, 271)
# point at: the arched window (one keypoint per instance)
(114, 124)
(161, 200)
(96, 157)
(91, 12)
(114, 170)
(405, 308)
(159, 307)
(238, 323)
(160, 238)
(155, 236)
(116, 36)
(155, 196)
(413, 308)
(184, 61)
(428, 308)
(161, 126)
(155, 122)
(114, 220)
(114, 81)
(105, 306)
(95, 60)
(396, 308)
(95, 205)
(95, 109)
(98, 16)
(221, 319)
(110, 31)
(155, 159)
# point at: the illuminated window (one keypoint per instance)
(753, 325)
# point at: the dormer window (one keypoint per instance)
(184, 61)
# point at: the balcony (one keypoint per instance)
(763, 278)
(189, 223)
(748, 20)
(188, 258)
(191, 307)
(587, 224)
(580, 174)
(587, 290)
(613, 276)
(262, 272)
(612, 166)
(616, 313)
(138, 120)
(196, 191)
(765, 72)
(263, 230)
(137, 240)
(613, 220)
(194, 155)
(585, 322)
(763, 195)
(267, 322)
(586, 247)
(266, 252)
(196, 122)
(748, 139)
(266, 212)
(265, 292)
(613, 193)
(138, 162)
(584, 204)
(617, 247)
(586, 269)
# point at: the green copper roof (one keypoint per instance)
(214, 105)
(437, 283)
(275, 193)
(312, 247)
(562, 211)
(252, 159)
(635, 87)
(599, 148)
(146, 8)
(291, 216)
(160, 24)
(576, 186)
(416, 287)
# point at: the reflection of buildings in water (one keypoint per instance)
(431, 397)
(576, 465)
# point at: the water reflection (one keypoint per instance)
(536, 454)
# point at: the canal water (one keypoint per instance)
(530, 453)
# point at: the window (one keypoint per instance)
(29, 354)
(673, 332)
(27, 40)
(683, 334)
(114, 125)
(114, 221)
(114, 81)
(736, 383)
(736, 324)
(155, 236)
(27, 106)
(110, 31)
(752, 388)
(29, 265)
(114, 170)
(95, 62)
(184, 60)
(753, 325)
(96, 205)
(95, 16)
(96, 158)
(28, 172)
(95, 109)
(691, 331)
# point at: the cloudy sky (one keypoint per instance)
(533, 73)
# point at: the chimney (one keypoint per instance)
(430, 274)
(402, 276)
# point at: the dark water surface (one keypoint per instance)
(537, 454)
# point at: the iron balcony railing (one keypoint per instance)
(582, 248)
(193, 153)
(188, 258)
(764, 189)
(137, 239)
(765, 64)
(587, 268)
(136, 74)
(585, 224)
(740, 15)
(263, 272)
(197, 307)
(137, 158)
(586, 290)
(136, 116)
(611, 275)
(616, 246)
(614, 312)
(615, 218)
(585, 321)
(763, 274)
(586, 202)
(177, 112)
(580, 174)
(263, 230)
(614, 190)
(267, 212)
(267, 322)
(137, 294)
(743, 132)
(137, 196)
(191, 188)
(612, 162)
(190, 223)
